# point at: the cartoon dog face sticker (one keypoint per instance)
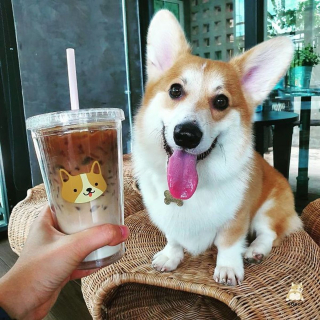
(83, 187)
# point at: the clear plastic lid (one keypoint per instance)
(74, 117)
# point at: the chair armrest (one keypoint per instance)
(23, 215)
(131, 289)
(311, 220)
(132, 198)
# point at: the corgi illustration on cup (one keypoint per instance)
(83, 187)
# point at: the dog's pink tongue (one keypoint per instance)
(182, 174)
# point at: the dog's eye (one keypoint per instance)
(75, 190)
(221, 102)
(96, 184)
(176, 91)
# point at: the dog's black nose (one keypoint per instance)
(89, 190)
(187, 135)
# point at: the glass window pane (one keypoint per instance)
(174, 6)
(299, 90)
(210, 24)
(222, 34)
(4, 210)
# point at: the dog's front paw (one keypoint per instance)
(163, 262)
(230, 276)
(253, 257)
(258, 250)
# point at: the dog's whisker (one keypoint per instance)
(223, 152)
(155, 132)
(208, 123)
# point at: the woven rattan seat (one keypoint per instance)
(132, 289)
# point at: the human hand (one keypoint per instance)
(47, 262)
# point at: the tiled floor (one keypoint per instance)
(314, 168)
(313, 173)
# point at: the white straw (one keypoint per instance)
(72, 75)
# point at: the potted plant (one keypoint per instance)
(301, 67)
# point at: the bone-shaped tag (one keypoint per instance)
(168, 198)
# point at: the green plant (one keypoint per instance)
(305, 57)
(289, 17)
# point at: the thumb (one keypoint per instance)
(84, 242)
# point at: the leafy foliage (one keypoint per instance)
(280, 20)
(305, 57)
(283, 21)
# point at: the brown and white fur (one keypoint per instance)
(238, 191)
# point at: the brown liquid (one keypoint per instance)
(75, 151)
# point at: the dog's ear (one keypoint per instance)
(96, 168)
(262, 67)
(165, 42)
(64, 175)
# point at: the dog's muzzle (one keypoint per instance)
(187, 136)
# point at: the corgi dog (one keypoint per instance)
(83, 187)
(193, 138)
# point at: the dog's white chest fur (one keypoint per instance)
(194, 225)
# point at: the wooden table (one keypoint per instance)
(282, 136)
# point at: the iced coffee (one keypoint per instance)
(80, 155)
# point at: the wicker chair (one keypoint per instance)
(132, 289)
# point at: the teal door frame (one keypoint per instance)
(15, 172)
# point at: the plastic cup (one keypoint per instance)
(80, 157)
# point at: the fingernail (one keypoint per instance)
(124, 231)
